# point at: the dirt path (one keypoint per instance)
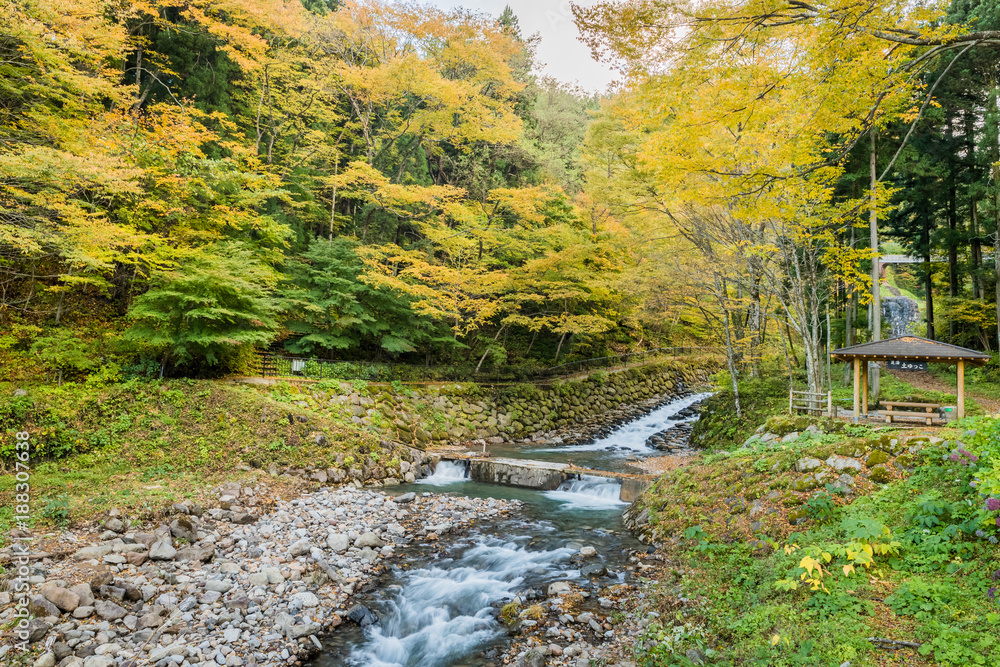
(924, 380)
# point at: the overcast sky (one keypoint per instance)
(565, 57)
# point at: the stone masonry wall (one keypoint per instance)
(428, 414)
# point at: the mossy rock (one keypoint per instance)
(792, 501)
(855, 448)
(782, 425)
(880, 475)
(877, 457)
(806, 483)
(889, 444)
(905, 462)
(796, 517)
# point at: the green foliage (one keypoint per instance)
(953, 646)
(61, 350)
(821, 507)
(720, 428)
(333, 309)
(919, 598)
(216, 301)
(864, 529)
(701, 542)
(509, 612)
(57, 510)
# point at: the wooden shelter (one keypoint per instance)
(906, 348)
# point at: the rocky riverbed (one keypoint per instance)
(226, 586)
(580, 623)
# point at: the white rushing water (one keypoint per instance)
(589, 492)
(447, 472)
(633, 435)
(442, 612)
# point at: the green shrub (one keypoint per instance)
(919, 598)
(57, 510)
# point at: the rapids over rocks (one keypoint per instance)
(439, 605)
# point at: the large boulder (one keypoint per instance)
(108, 610)
(85, 594)
(185, 528)
(40, 607)
(162, 550)
(368, 540)
(839, 463)
(63, 598)
(196, 554)
(95, 552)
(362, 615)
(338, 542)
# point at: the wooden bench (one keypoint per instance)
(927, 415)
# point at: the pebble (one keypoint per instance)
(242, 593)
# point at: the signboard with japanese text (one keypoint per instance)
(902, 365)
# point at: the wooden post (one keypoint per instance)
(864, 387)
(790, 411)
(829, 403)
(961, 388)
(857, 389)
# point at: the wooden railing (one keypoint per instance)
(809, 401)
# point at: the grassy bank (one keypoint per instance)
(781, 560)
(141, 445)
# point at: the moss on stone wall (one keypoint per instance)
(422, 415)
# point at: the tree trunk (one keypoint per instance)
(994, 102)
(791, 343)
(928, 277)
(952, 253)
(996, 262)
(532, 343)
(732, 367)
(977, 252)
(784, 348)
(876, 323)
(720, 294)
(849, 338)
(559, 347)
(333, 203)
(483, 358)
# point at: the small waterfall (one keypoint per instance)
(589, 492)
(447, 472)
(442, 613)
(902, 313)
(633, 436)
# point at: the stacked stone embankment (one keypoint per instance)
(456, 413)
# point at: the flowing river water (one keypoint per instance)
(439, 606)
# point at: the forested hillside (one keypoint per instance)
(186, 182)
(786, 145)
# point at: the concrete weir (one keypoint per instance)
(544, 475)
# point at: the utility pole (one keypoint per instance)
(876, 318)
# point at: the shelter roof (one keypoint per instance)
(912, 348)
